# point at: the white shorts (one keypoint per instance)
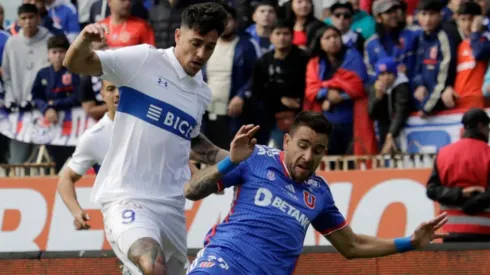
(127, 220)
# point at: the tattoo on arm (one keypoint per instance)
(203, 183)
(203, 150)
(147, 254)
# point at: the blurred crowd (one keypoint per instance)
(365, 65)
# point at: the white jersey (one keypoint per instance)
(92, 146)
(160, 110)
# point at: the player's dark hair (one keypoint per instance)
(281, 24)
(27, 8)
(316, 121)
(58, 41)
(205, 18)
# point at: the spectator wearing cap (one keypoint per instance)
(278, 83)
(23, 56)
(392, 39)
(472, 58)
(362, 22)
(228, 73)
(389, 102)
(301, 15)
(340, 14)
(460, 181)
(54, 91)
(264, 16)
(436, 61)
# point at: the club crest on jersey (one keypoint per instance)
(271, 175)
(309, 199)
(313, 182)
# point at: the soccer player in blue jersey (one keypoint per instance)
(277, 196)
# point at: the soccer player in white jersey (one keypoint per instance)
(91, 149)
(163, 97)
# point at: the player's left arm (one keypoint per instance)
(352, 245)
(204, 151)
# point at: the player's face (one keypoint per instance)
(303, 152)
(110, 93)
(193, 50)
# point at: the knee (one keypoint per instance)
(147, 254)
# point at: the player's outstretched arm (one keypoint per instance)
(205, 182)
(66, 188)
(80, 58)
(204, 151)
(352, 245)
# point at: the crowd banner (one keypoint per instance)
(428, 135)
(385, 203)
(30, 127)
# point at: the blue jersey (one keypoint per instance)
(267, 224)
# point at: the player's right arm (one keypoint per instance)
(80, 58)
(66, 188)
(227, 172)
(83, 158)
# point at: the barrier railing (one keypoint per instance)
(400, 161)
(27, 170)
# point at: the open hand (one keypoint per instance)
(425, 233)
(243, 144)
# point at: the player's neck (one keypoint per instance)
(117, 19)
(111, 114)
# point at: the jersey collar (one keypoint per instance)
(283, 164)
(178, 68)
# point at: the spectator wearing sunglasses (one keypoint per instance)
(340, 14)
(362, 22)
(392, 39)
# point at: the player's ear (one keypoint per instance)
(287, 139)
(178, 34)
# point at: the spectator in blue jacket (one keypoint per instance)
(436, 60)
(65, 17)
(264, 17)
(228, 73)
(362, 22)
(54, 87)
(392, 39)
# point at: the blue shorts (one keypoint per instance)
(212, 262)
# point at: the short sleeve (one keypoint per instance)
(233, 178)
(83, 158)
(119, 66)
(330, 219)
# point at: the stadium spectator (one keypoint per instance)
(341, 12)
(362, 22)
(54, 90)
(165, 18)
(335, 77)
(228, 74)
(83, 10)
(124, 29)
(89, 91)
(46, 20)
(472, 57)
(301, 15)
(100, 10)
(436, 61)
(279, 83)
(4, 36)
(452, 26)
(23, 56)
(461, 191)
(264, 17)
(65, 17)
(389, 103)
(54, 86)
(391, 39)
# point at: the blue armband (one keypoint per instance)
(225, 166)
(403, 244)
